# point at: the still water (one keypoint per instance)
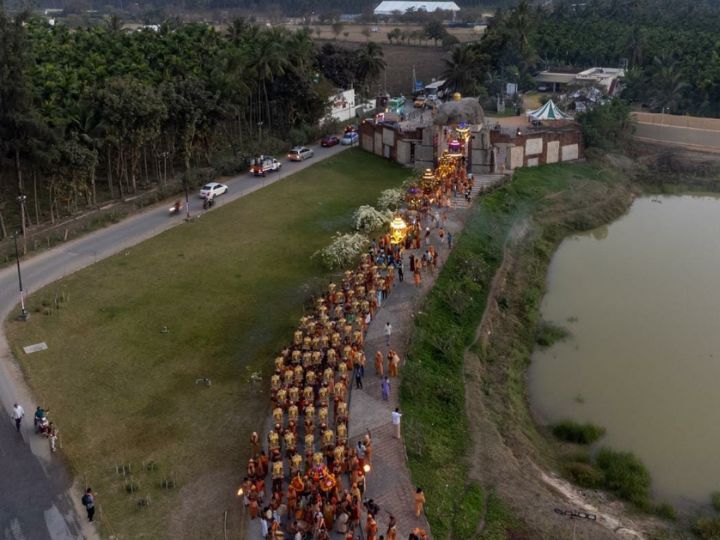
(641, 298)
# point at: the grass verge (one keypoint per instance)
(229, 288)
(437, 431)
(574, 432)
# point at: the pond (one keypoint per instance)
(641, 299)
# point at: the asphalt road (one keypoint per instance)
(37, 498)
(699, 139)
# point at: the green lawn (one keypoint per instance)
(229, 287)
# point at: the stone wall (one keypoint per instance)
(536, 147)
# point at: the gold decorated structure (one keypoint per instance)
(398, 230)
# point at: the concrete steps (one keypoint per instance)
(482, 182)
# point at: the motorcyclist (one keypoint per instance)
(209, 199)
(176, 206)
(40, 416)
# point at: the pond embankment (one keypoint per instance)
(470, 352)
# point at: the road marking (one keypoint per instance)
(56, 525)
(15, 530)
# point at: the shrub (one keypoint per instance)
(585, 475)
(715, 499)
(391, 199)
(626, 475)
(343, 250)
(574, 432)
(548, 333)
(708, 528)
(367, 219)
(666, 510)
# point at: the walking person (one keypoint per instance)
(385, 388)
(88, 501)
(449, 239)
(396, 416)
(419, 501)
(388, 333)
(379, 364)
(17, 414)
(358, 377)
(401, 275)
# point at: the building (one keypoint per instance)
(607, 79)
(460, 127)
(390, 7)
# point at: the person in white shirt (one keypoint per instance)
(388, 333)
(17, 415)
(396, 416)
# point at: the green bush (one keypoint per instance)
(626, 475)
(666, 510)
(715, 499)
(708, 528)
(585, 475)
(574, 432)
(548, 333)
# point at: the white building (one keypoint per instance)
(389, 7)
(343, 106)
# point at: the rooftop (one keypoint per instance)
(387, 7)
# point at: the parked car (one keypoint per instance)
(351, 137)
(213, 187)
(262, 165)
(300, 153)
(419, 102)
(329, 140)
(350, 127)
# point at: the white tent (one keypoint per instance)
(549, 111)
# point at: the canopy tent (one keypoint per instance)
(549, 111)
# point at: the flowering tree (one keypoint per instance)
(391, 199)
(368, 219)
(343, 250)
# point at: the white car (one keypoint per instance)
(213, 187)
(300, 153)
(350, 138)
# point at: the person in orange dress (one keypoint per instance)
(379, 364)
(416, 277)
(371, 528)
(419, 501)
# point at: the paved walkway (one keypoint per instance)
(389, 483)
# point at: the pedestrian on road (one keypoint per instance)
(385, 388)
(401, 275)
(393, 364)
(18, 412)
(450, 239)
(88, 502)
(396, 416)
(416, 277)
(419, 501)
(388, 333)
(427, 236)
(392, 528)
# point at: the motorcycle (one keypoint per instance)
(175, 208)
(208, 202)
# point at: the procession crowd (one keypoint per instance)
(317, 479)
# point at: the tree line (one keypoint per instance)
(671, 49)
(97, 113)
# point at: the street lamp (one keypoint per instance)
(24, 315)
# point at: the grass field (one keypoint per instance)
(229, 287)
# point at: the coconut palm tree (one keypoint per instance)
(460, 67)
(370, 62)
(668, 83)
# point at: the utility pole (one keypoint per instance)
(21, 199)
(414, 83)
(24, 315)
